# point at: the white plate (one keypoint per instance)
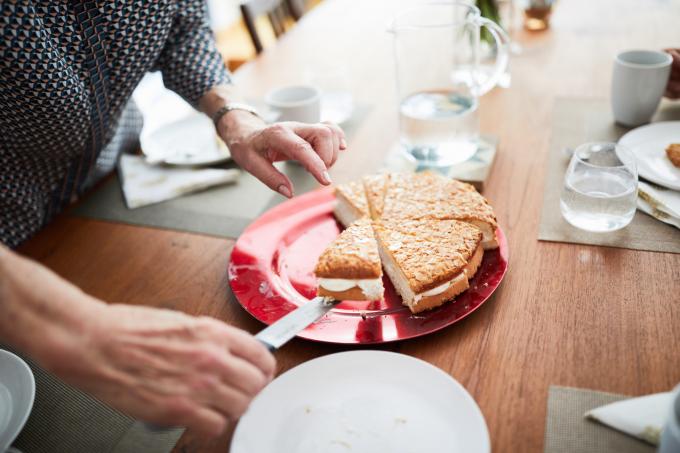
(190, 141)
(363, 402)
(17, 392)
(648, 144)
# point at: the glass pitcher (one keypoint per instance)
(439, 81)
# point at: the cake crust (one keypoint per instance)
(354, 293)
(375, 187)
(429, 195)
(428, 252)
(352, 255)
(354, 195)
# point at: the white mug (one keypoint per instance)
(295, 103)
(638, 83)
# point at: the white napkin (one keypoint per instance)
(642, 417)
(662, 204)
(145, 184)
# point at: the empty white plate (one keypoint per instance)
(363, 402)
(17, 392)
(190, 141)
(648, 144)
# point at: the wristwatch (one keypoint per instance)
(233, 106)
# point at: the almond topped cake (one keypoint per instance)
(429, 261)
(430, 195)
(349, 268)
(351, 202)
(431, 234)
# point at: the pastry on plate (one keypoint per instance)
(351, 203)
(429, 261)
(375, 187)
(349, 268)
(673, 153)
(430, 195)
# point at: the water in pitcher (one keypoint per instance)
(439, 128)
(599, 202)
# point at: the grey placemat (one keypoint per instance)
(567, 431)
(577, 121)
(223, 211)
(66, 420)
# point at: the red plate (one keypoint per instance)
(271, 274)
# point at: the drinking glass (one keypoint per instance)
(439, 81)
(600, 187)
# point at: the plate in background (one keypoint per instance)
(17, 393)
(648, 144)
(363, 402)
(190, 141)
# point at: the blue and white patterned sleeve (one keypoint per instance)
(190, 62)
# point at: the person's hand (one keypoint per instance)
(255, 146)
(168, 368)
(673, 87)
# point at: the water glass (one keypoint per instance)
(439, 81)
(600, 187)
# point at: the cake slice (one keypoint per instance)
(429, 195)
(375, 187)
(351, 203)
(349, 268)
(429, 261)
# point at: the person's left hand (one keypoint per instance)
(255, 146)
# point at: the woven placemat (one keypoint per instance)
(223, 211)
(567, 431)
(576, 121)
(66, 420)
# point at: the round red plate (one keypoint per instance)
(271, 274)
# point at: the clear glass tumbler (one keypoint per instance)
(600, 187)
(439, 81)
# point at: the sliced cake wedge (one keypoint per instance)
(349, 268)
(429, 261)
(430, 195)
(351, 203)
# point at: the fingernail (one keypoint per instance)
(327, 177)
(343, 144)
(284, 190)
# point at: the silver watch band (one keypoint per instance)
(233, 106)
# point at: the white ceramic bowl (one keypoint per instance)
(17, 393)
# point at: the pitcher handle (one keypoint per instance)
(502, 56)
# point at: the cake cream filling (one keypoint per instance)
(371, 287)
(439, 289)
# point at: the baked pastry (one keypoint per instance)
(349, 268)
(673, 153)
(429, 195)
(351, 203)
(375, 187)
(429, 261)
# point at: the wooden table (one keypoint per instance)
(593, 317)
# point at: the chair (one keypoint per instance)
(281, 15)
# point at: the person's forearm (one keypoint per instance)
(39, 311)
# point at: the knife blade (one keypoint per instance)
(283, 330)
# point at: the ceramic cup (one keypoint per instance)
(638, 82)
(295, 103)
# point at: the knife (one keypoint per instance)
(283, 330)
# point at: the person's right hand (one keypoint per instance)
(673, 87)
(168, 368)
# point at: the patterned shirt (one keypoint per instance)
(67, 72)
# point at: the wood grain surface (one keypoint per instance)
(593, 317)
